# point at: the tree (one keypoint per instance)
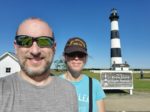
(60, 65)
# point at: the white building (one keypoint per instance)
(120, 67)
(8, 64)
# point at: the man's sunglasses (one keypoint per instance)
(76, 54)
(27, 41)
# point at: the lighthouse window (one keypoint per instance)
(117, 33)
(8, 70)
(114, 34)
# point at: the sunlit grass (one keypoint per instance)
(139, 84)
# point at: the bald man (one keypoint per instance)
(33, 89)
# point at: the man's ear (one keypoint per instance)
(54, 48)
(15, 46)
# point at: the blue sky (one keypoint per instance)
(88, 19)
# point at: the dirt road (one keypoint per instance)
(124, 102)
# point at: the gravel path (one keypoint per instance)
(124, 102)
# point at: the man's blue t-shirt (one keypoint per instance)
(82, 88)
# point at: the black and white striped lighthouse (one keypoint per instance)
(116, 58)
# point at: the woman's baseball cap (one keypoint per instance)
(75, 44)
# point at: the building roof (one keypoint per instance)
(120, 65)
(11, 54)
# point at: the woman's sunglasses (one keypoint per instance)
(27, 41)
(76, 54)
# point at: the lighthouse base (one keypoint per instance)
(120, 67)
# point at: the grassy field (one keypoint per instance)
(139, 84)
(142, 84)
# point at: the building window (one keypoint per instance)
(121, 68)
(8, 70)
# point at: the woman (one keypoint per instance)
(75, 55)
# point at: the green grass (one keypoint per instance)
(139, 84)
(142, 84)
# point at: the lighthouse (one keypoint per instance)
(115, 51)
(119, 76)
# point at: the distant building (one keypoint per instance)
(122, 67)
(8, 64)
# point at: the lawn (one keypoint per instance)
(142, 84)
(139, 84)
